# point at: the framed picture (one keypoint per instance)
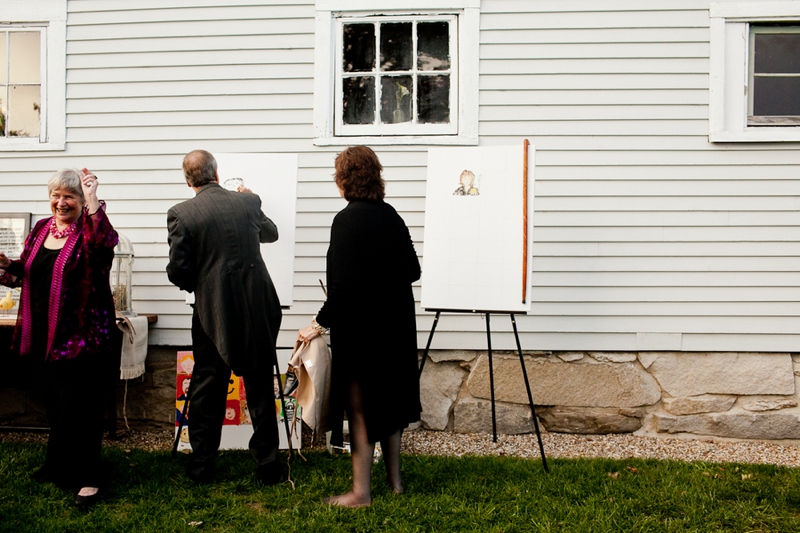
(14, 227)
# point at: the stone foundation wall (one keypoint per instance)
(150, 399)
(735, 395)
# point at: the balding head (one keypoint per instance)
(199, 168)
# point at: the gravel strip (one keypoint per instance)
(618, 446)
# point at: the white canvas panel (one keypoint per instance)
(273, 177)
(475, 239)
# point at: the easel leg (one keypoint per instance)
(530, 396)
(491, 379)
(430, 338)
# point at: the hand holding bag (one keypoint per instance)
(311, 363)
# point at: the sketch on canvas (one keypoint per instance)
(478, 253)
(466, 185)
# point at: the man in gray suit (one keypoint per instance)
(214, 252)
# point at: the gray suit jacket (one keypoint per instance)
(214, 252)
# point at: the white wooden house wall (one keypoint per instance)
(647, 236)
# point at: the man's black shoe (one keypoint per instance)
(201, 478)
(269, 474)
(44, 475)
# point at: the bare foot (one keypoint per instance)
(348, 499)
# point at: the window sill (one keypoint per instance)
(32, 147)
(397, 140)
(769, 134)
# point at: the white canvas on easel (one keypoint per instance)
(478, 229)
(273, 177)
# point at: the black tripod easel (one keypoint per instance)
(491, 371)
(185, 410)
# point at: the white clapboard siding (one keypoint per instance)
(646, 237)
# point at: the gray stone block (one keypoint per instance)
(706, 403)
(440, 385)
(739, 425)
(473, 415)
(594, 421)
(693, 374)
(554, 382)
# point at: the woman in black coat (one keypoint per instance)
(370, 313)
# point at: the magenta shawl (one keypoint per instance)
(81, 310)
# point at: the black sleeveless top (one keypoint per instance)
(41, 279)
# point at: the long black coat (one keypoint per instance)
(371, 264)
(214, 251)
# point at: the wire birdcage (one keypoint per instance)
(121, 276)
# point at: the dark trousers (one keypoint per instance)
(210, 382)
(75, 400)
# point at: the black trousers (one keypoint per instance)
(75, 401)
(210, 381)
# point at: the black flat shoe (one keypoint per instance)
(269, 474)
(84, 502)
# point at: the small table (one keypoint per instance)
(11, 320)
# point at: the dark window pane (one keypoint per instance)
(777, 53)
(776, 96)
(434, 99)
(24, 106)
(359, 47)
(433, 46)
(396, 46)
(396, 95)
(358, 100)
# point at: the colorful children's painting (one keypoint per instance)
(237, 427)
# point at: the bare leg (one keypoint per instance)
(361, 455)
(391, 458)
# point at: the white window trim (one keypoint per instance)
(325, 71)
(53, 15)
(729, 53)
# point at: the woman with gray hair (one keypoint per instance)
(67, 323)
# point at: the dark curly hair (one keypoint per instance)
(358, 174)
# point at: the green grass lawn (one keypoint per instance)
(148, 493)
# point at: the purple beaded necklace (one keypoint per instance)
(60, 234)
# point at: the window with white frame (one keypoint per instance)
(32, 75)
(403, 76)
(755, 72)
(396, 76)
(20, 83)
(774, 75)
